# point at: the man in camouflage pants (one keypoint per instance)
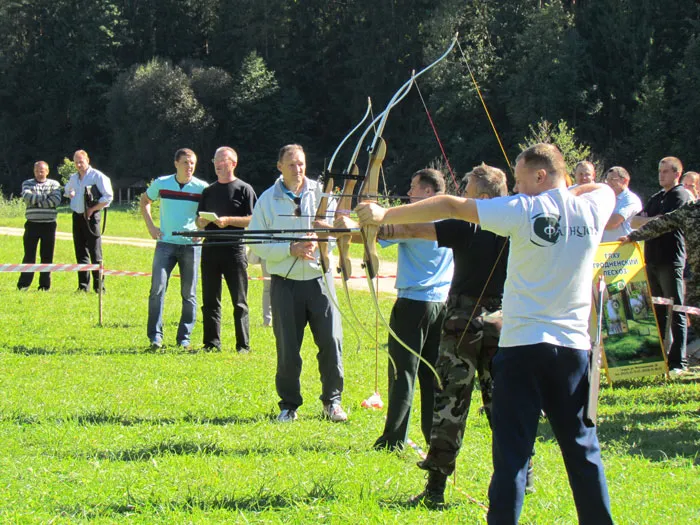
(476, 292)
(687, 220)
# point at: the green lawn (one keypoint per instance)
(94, 428)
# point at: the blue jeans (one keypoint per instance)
(166, 256)
(526, 380)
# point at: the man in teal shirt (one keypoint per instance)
(179, 196)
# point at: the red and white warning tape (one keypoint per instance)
(124, 272)
(48, 267)
(87, 267)
(692, 310)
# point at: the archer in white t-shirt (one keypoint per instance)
(543, 356)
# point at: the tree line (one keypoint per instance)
(131, 81)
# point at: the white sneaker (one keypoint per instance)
(287, 415)
(677, 372)
(335, 412)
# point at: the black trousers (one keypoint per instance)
(418, 324)
(667, 281)
(35, 233)
(87, 242)
(232, 264)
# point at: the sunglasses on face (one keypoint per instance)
(297, 209)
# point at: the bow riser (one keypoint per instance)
(345, 203)
(370, 187)
(320, 215)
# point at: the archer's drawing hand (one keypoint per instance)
(370, 213)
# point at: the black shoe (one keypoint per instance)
(433, 497)
(382, 444)
(81, 290)
(211, 348)
(243, 350)
(43, 288)
(155, 346)
(23, 288)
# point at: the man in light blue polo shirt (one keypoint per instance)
(179, 196)
(423, 278)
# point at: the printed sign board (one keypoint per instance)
(631, 341)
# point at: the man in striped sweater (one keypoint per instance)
(41, 195)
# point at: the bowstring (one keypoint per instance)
(454, 180)
(486, 109)
(376, 312)
(437, 137)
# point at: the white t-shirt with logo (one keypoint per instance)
(553, 240)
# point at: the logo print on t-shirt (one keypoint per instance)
(546, 230)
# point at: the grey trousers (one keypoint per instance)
(294, 305)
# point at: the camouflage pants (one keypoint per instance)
(463, 355)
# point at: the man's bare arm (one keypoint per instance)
(587, 188)
(615, 220)
(408, 231)
(145, 206)
(428, 210)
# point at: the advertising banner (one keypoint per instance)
(631, 341)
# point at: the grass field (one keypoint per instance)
(95, 428)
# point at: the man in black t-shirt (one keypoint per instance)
(232, 200)
(472, 325)
(665, 257)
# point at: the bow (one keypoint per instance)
(377, 153)
(321, 213)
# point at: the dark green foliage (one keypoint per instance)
(152, 112)
(256, 74)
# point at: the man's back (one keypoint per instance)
(554, 236)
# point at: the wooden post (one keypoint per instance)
(99, 294)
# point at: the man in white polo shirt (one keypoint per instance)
(627, 204)
(544, 350)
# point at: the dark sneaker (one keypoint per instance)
(335, 412)
(243, 350)
(211, 348)
(287, 415)
(382, 444)
(155, 346)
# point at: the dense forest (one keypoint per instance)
(131, 81)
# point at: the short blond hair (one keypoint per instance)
(674, 162)
(544, 156)
(488, 180)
